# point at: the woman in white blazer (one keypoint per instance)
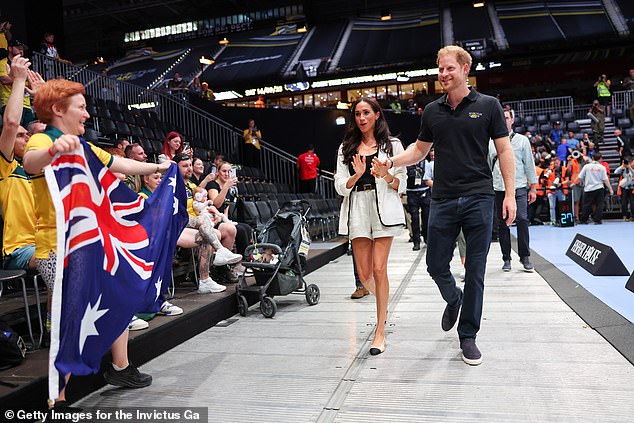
(371, 211)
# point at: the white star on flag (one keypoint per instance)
(88, 328)
(173, 185)
(157, 285)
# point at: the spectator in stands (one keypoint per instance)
(418, 197)
(597, 123)
(507, 108)
(212, 234)
(622, 146)
(5, 37)
(172, 145)
(16, 196)
(307, 166)
(219, 158)
(557, 186)
(259, 103)
(122, 144)
(198, 168)
(594, 179)
(47, 48)
(223, 193)
(35, 127)
(606, 165)
(412, 107)
(563, 149)
(556, 134)
(176, 84)
(462, 195)
(252, 138)
(626, 188)
(371, 211)
(195, 87)
(207, 93)
(525, 194)
(16, 48)
(628, 82)
(602, 84)
(135, 152)
(61, 104)
(395, 105)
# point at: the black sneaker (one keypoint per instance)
(223, 274)
(130, 377)
(449, 317)
(526, 262)
(470, 352)
(506, 266)
(416, 246)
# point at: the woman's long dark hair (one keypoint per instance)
(352, 137)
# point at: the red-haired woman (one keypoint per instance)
(172, 145)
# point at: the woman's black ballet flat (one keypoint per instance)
(377, 350)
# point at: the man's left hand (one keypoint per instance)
(509, 210)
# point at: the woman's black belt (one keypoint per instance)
(364, 187)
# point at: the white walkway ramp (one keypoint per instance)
(541, 363)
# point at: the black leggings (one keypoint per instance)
(244, 237)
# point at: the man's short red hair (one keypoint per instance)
(55, 91)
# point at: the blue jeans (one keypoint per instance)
(474, 215)
(558, 195)
(521, 199)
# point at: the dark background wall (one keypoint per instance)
(294, 130)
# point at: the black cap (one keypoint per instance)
(557, 123)
(17, 43)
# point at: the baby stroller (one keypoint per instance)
(277, 260)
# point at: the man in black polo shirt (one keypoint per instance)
(459, 125)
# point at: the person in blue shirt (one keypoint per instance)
(556, 134)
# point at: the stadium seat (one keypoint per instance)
(107, 127)
(623, 123)
(116, 115)
(122, 129)
(568, 117)
(554, 117)
(517, 121)
(573, 126)
(532, 129)
(542, 119)
(629, 133)
(91, 135)
(544, 128)
(519, 129)
(529, 120)
(617, 113)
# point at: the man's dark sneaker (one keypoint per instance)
(470, 352)
(526, 262)
(506, 266)
(223, 274)
(449, 317)
(130, 377)
(416, 246)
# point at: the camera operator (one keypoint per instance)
(557, 186)
(575, 163)
(597, 122)
(604, 95)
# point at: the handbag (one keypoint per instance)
(12, 347)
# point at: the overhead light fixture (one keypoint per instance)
(340, 120)
(386, 15)
(203, 60)
(224, 41)
(480, 67)
(401, 77)
(301, 27)
(478, 4)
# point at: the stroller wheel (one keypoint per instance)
(243, 305)
(268, 308)
(312, 294)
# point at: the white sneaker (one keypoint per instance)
(169, 309)
(223, 257)
(206, 286)
(138, 324)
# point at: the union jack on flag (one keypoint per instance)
(114, 257)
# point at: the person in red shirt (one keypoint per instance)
(307, 164)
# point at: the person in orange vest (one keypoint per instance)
(538, 204)
(557, 186)
(574, 166)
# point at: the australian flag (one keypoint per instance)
(114, 257)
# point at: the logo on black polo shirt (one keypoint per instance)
(475, 115)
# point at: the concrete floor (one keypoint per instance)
(541, 362)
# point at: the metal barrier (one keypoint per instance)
(543, 106)
(622, 99)
(581, 111)
(276, 164)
